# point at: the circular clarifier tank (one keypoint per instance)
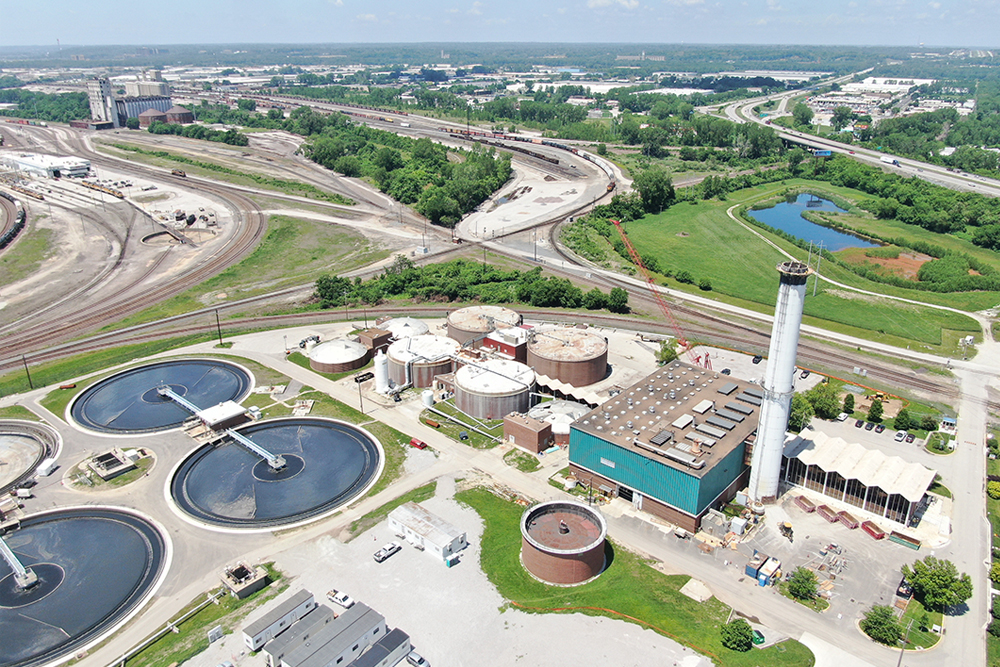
(128, 403)
(95, 568)
(562, 542)
(327, 463)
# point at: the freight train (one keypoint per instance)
(102, 188)
(24, 121)
(8, 236)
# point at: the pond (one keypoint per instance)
(787, 216)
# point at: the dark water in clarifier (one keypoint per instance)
(128, 402)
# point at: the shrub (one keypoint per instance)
(993, 490)
(684, 277)
(737, 635)
(849, 403)
(995, 573)
(928, 423)
(803, 584)
(705, 285)
(994, 628)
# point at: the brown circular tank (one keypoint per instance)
(466, 324)
(562, 542)
(571, 356)
(338, 356)
(427, 356)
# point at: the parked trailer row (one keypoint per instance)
(19, 218)
(103, 188)
(384, 119)
(525, 151)
(313, 100)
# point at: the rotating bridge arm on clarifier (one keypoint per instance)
(23, 576)
(275, 461)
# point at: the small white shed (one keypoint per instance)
(426, 531)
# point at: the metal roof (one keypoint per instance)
(478, 318)
(870, 467)
(565, 344)
(423, 348)
(495, 376)
(431, 527)
(404, 327)
(271, 617)
(335, 637)
(337, 351)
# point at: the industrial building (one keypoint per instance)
(426, 531)
(779, 381)
(179, 115)
(132, 107)
(150, 116)
(527, 433)
(338, 356)
(675, 444)
(571, 356)
(375, 339)
(102, 101)
(560, 414)
(341, 641)
(150, 83)
(493, 388)
(511, 343)
(48, 166)
(886, 486)
(417, 360)
(470, 325)
(562, 542)
(279, 619)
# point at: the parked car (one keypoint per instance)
(387, 550)
(869, 426)
(879, 428)
(725, 371)
(910, 437)
(859, 423)
(419, 444)
(842, 417)
(341, 598)
(758, 358)
(899, 436)
(804, 374)
(416, 659)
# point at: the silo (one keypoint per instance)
(562, 542)
(571, 356)
(466, 324)
(493, 388)
(381, 372)
(405, 327)
(426, 356)
(338, 356)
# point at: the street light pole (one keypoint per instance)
(26, 371)
(361, 401)
(218, 325)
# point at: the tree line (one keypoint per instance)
(464, 280)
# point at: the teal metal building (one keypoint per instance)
(675, 444)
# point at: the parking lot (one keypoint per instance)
(454, 616)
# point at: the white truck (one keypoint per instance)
(890, 160)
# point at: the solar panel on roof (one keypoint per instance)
(754, 392)
(739, 408)
(661, 438)
(727, 388)
(747, 398)
(721, 423)
(731, 416)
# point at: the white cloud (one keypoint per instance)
(934, 5)
(477, 8)
(367, 17)
(627, 4)
(774, 5)
(680, 3)
(336, 3)
(561, 10)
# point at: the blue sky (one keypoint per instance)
(856, 22)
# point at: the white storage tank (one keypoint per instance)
(466, 324)
(493, 388)
(404, 327)
(428, 397)
(338, 356)
(381, 372)
(426, 356)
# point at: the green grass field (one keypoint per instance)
(522, 460)
(910, 622)
(701, 239)
(294, 252)
(33, 247)
(17, 412)
(628, 587)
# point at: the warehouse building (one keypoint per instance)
(426, 531)
(527, 433)
(886, 486)
(47, 166)
(675, 444)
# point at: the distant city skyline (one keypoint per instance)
(969, 23)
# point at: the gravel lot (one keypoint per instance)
(453, 615)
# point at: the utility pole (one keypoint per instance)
(27, 372)
(218, 326)
(345, 305)
(361, 401)
(819, 260)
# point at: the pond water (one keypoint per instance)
(787, 216)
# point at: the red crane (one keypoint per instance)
(697, 359)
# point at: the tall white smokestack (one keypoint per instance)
(766, 463)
